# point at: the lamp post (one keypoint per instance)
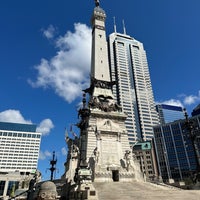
(52, 163)
(188, 125)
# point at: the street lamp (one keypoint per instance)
(188, 125)
(53, 163)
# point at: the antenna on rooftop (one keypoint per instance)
(124, 28)
(115, 29)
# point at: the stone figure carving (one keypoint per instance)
(99, 84)
(84, 113)
(33, 182)
(72, 146)
(74, 151)
(119, 137)
(106, 104)
(37, 176)
(98, 135)
(127, 158)
(47, 191)
(96, 154)
(102, 84)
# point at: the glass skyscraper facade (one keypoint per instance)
(196, 111)
(175, 153)
(169, 113)
(133, 89)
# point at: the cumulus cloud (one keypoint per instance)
(172, 102)
(192, 99)
(49, 32)
(45, 126)
(15, 116)
(183, 100)
(44, 155)
(64, 151)
(67, 73)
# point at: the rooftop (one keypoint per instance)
(17, 127)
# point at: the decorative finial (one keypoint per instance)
(97, 3)
(124, 28)
(115, 29)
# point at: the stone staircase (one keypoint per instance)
(141, 191)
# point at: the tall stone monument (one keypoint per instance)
(103, 145)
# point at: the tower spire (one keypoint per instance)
(115, 29)
(97, 3)
(124, 28)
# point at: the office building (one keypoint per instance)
(175, 152)
(19, 152)
(196, 110)
(133, 89)
(19, 147)
(145, 154)
(169, 113)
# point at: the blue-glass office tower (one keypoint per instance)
(196, 111)
(175, 153)
(169, 113)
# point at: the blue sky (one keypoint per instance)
(45, 59)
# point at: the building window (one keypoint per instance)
(11, 185)
(2, 185)
(5, 134)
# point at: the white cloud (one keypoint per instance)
(183, 100)
(13, 116)
(64, 151)
(45, 126)
(67, 73)
(44, 155)
(192, 99)
(47, 153)
(49, 32)
(172, 102)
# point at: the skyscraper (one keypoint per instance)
(145, 154)
(174, 149)
(19, 152)
(169, 113)
(19, 147)
(196, 111)
(133, 89)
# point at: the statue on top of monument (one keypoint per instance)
(97, 3)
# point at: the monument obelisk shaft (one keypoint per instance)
(99, 64)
